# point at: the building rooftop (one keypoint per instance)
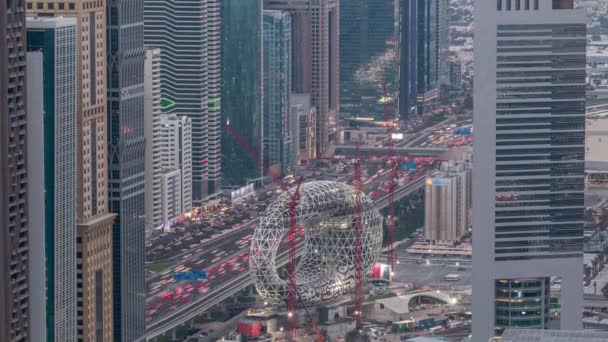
(532, 335)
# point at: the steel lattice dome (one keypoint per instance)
(326, 269)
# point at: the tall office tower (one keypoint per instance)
(441, 42)
(152, 117)
(15, 319)
(315, 27)
(56, 39)
(408, 42)
(446, 203)
(242, 89)
(528, 189)
(423, 52)
(368, 56)
(35, 190)
(277, 135)
(175, 165)
(126, 142)
(188, 34)
(94, 219)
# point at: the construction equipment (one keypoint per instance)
(388, 117)
(292, 297)
(358, 313)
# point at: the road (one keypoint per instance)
(225, 257)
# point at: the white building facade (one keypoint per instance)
(446, 206)
(528, 189)
(152, 126)
(176, 154)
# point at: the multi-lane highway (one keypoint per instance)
(225, 257)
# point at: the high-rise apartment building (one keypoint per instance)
(15, 321)
(94, 219)
(152, 115)
(242, 90)
(175, 165)
(188, 34)
(126, 143)
(55, 37)
(277, 134)
(446, 207)
(528, 189)
(368, 56)
(316, 27)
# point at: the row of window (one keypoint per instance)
(516, 5)
(51, 6)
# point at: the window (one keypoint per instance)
(563, 4)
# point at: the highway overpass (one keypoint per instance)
(364, 151)
(231, 287)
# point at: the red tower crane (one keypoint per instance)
(388, 117)
(292, 300)
(358, 313)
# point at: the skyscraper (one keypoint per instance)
(528, 189)
(56, 39)
(35, 190)
(316, 27)
(175, 164)
(278, 139)
(408, 44)
(94, 219)
(152, 114)
(14, 260)
(188, 34)
(368, 56)
(242, 89)
(423, 52)
(126, 143)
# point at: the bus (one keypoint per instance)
(452, 277)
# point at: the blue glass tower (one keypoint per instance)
(241, 89)
(126, 145)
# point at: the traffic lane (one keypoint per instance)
(201, 253)
(429, 275)
(172, 303)
(165, 302)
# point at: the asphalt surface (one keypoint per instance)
(227, 256)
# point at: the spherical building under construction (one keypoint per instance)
(325, 215)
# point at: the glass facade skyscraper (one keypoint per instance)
(126, 144)
(368, 56)
(278, 139)
(56, 38)
(188, 35)
(529, 184)
(423, 52)
(242, 89)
